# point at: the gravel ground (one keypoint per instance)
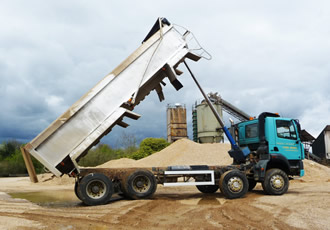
(54, 206)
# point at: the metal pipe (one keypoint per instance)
(216, 114)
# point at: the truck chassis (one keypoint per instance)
(95, 186)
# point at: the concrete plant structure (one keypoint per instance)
(176, 122)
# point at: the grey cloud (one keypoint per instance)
(266, 56)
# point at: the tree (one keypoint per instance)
(99, 155)
(149, 146)
(127, 142)
(8, 148)
(11, 159)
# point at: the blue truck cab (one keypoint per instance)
(275, 143)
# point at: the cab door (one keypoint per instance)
(286, 139)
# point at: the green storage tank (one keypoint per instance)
(206, 128)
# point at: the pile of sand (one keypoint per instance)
(50, 179)
(315, 172)
(119, 163)
(187, 152)
(181, 152)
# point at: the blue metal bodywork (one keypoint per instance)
(282, 137)
(290, 147)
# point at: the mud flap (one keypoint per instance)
(260, 170)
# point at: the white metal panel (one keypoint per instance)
(119, 113)
(51, 160)
(43, 160)
(181, 173)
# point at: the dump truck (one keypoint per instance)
(266, 150)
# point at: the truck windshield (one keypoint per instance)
(285, 129)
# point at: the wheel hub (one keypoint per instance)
(141, 184)
(235, 184)
(96, 189)
(277, 182)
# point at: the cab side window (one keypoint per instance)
(285, 129)
(251, 131)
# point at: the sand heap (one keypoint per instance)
(119, 163)
(187, 152)
(315, 172)
(181, 152)
(50, 179)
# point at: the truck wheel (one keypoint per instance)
(252, 184)
(276, 182)
(207, 188)
(233, 184)
(76, 188)
(95, 189)
(140, 184)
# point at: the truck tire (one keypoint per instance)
(233, 184)
(141, 184)
(252, 184)
(276, 182)
(76, 188)
(95, 189)
(207, 188)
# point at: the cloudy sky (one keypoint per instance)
(267, 56)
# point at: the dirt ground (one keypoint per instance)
(304, 206)
(51, 203)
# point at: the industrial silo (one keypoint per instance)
(176, 122)
(206, 128)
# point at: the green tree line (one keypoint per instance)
(12, 162)
(11, 159)
(103, 152)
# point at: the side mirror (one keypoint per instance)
(298, 126)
